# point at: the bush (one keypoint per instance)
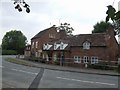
(33, 58)
(9, 52)
(100, 66)
(118, 69)
(42, 60)
(57, 62)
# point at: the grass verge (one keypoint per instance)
(16, 61)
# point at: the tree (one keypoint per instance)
(22, 3)
(115, 17)
(14, 40)
(66, 27)
(100, 27)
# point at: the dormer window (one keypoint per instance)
(45, 46)
(86, 45)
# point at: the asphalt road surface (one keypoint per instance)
(19, 76)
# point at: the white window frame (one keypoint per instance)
(32, 44)
(45, 46)
(61, 45)
(55, 46)
(43, 56)
(85, 59)
(55, 57)
(86, 45)
(51, 36)
(36, 54)
(47, 57)
(77, 59)
(94, 60)
(36, 44)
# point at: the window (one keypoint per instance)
(55, 46)
(45, 46)
(55, 57)
(94, 60)
(85, 59)
(51, 36)
(77, 59)
(43, 56)
(32, 44)
(61, 45)
(47, 58)
(36, 54)
(86, 45)
(37, 44)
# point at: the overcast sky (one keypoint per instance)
(81, 14)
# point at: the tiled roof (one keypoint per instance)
(41, 33)
(96, 39)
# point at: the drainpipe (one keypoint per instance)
(62, 58)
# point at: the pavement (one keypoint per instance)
(70, 69)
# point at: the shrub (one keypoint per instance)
(57, 62)
(100, 66)
(42, 60)
(9, 52)
(33, 58)
(117, 69)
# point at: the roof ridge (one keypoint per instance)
(42, 31)
(89, 34)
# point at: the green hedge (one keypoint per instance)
(118, 69)
(9, 52)
(100, 66)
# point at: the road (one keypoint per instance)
(19, 76)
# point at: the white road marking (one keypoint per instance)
(85, 81)
(24, 71)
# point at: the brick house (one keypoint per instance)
(42, 37)
(27, 51)
(119, 38)
(76, 50)
(80, 49)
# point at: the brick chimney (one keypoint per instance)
(111, 31)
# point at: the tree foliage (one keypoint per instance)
(14, 40)
(100, 27)
(114, 16)
(66, 27)
(22, 3)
